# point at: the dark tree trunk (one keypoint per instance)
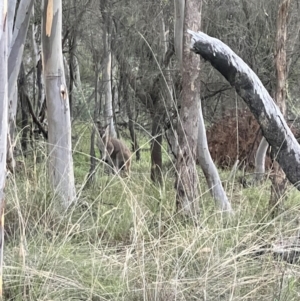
(41, 97)
(284, 145)
(24, 109)
(72, 47)
(134, 143)
(156, 155)
(93, 161)
(278, 178)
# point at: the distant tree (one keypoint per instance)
(107, 69)
(60, 165)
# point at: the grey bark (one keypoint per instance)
(178, 28)
(17, 43)
(276, 131)
(209, 169)
(187, 180)
(108, 110)
(3, 123)
(60, 164)
(260, 158)
(15, 54)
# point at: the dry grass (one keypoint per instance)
(124, 241)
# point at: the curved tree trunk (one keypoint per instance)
(58, 110)
(15, 54)
(274, 127)
(260, 159)
(209, 169)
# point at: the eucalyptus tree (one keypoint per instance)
(3, 123)
(278, 177)
(187, 180)
(107, 66)
(17, 35)
(60, 162)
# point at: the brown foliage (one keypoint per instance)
(236, 136)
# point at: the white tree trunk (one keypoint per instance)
(10, 19)
(3, 123)
(17, 43)
(15, 53)
(209, 169)
(260, 159)
(59, 124)
(108, 110)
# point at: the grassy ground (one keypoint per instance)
(124, 241)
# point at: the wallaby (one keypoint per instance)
(114, 151)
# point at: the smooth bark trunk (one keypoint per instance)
(260, 159)
(59, 124)
(17, 43)
(209, 169)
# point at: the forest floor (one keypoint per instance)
(124, 241)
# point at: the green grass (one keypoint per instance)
(124, 241)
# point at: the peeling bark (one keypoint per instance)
(274, 128)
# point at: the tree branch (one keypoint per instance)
(285, 147)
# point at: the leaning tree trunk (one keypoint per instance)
(274, 127)
(58, 110)
(260, 159)
(278, 178)
(187, 178)
(15, 55)
(209, 169)
(3, 123)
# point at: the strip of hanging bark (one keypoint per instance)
(247, 84)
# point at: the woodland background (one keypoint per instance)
(124, 239)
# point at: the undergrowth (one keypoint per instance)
(123, 239)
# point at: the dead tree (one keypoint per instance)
(284, 145)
